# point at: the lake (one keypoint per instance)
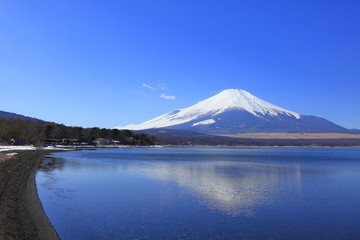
(203, 193)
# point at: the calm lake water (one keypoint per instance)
(203, 193)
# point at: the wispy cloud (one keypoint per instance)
(160, 86)
(148, 86)
(167, 97)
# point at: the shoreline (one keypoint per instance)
(22, 215)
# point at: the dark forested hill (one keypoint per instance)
(20, 129)
(17, 116)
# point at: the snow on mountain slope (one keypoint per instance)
(227, 100)
(205, 122)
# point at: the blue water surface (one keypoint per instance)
(203, 193)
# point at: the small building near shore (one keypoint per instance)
(102, 141)
(115, 142)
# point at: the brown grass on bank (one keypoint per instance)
(294, 135)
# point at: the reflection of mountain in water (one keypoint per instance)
(231, 187)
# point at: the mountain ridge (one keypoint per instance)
(4, 114)
(238, 111)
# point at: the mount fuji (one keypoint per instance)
(234, 111)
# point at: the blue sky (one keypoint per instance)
(112, 63)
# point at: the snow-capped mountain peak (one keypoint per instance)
(240, 100)
(227, 100)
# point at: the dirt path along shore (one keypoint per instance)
(21, 213)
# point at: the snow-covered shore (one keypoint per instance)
(27, 147)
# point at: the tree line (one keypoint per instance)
(40, 132)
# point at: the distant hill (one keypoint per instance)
(20, 129)
(17, 116)
(236, 111)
